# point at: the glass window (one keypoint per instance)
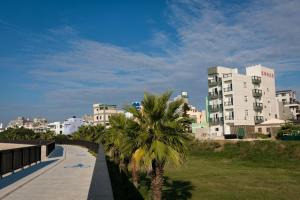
(245, 85)
(245, 98)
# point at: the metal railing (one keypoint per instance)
(50, 144)
(228, 103)
(227, 75)
(17, 158)
(227, 89)
(89, 145)
(256, 79)
(229, 118)
(258, 119)
(257, 92)
(215, 108)
(257, 106)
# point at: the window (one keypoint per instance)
(245, 98)
(97, 117)
(216, 129)
(269, 130)
(268, 89)
(259, 130)
(275, 116)
(246, 113)
(245, 85)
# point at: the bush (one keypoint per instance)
(288, 129)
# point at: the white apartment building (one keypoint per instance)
(239, 101)
(288, 106)
(71, 125)
(56, 127)
(1, 127)
(102, 113)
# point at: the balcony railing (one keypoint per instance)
(229, 118)
(228, 103)
(214, 95)
(256, 79)
(257, 92)
(228, 89)
(227, 75)
(215, 108)
(258, 119)
(257, 106)
(215, 121)
(214, 82)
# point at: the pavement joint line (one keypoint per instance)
(25, 183)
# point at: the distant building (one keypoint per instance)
(137, 105)
(1, 127)
(237, 102)
(102, 113)
(56, 127)
(184, 96)
(288, 106)
(88, 119)
(38, 125)
(71, 125)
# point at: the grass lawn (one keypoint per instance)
(259, 170)
(244, 170)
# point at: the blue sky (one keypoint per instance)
(59, 57)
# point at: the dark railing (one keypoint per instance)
(256, 79)
(50, 144)
(215, 108)
(257, 106)
(89, 145)
(257, 92)
(17, 158)
(229, 117)
(215, 95)
(258, 119)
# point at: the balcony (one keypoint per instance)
(257, 106)
(214, 82)
(258, 119)
(227, 89)
(215, 108)
(227, 75)
(215, 121)
(256, 93)
(214, 95)
(229, 118)
(256, 79)
(228, 103)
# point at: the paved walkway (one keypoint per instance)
(66, 175)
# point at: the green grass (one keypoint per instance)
(245, 170)
(225, 170)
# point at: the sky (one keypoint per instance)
(58, 57)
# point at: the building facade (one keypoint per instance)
(71, 125)
(239, 101)
(102, 113)
(288, 106)
(56, 127)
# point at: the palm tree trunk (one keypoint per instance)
(157, 180)
(135, 175)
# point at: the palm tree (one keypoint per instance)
(161, 139)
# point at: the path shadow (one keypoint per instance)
(10, 179)
(122, 188)
(176, 189)
(57, 152)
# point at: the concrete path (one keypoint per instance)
(67, 176)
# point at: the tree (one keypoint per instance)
(162, 139)
(89, 133)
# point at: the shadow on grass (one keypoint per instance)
(176, 189)
(123, 189)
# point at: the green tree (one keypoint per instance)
(162, 139)
(89, 133)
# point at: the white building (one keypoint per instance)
(56, 127)
(1, 127)
(239, 101)
(288, 106)
(38, 125)
(71, 125)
